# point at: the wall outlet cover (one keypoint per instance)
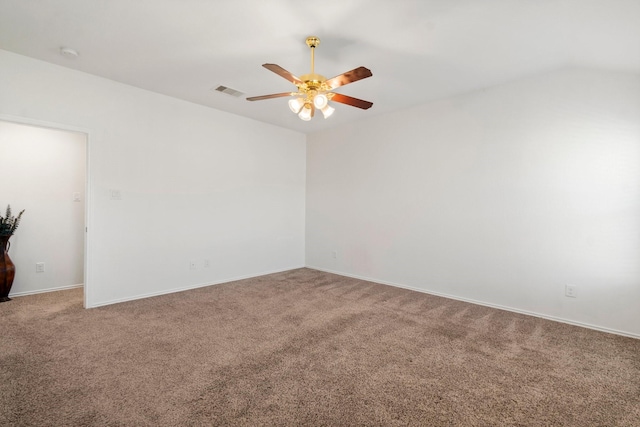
(571, 291)
(115, 194)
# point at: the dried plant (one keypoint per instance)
(9, 223)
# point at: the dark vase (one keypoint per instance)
(7, 269)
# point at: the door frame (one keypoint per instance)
(87, 199)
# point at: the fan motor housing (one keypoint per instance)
(313, 81)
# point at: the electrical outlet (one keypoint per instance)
(334, 254)
(207, 263)
(193, 265)
(115, 194)
(39, 267)
(571, 291)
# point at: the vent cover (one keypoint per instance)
(229, 91)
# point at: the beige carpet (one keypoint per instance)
(306, 348)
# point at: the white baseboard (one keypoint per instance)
(43, 291)
(484, 303)
(186, 288)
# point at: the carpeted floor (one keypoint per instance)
(306, 348)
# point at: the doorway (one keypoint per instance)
(44, 170)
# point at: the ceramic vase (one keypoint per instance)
(7, 269)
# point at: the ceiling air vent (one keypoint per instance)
(229, 91)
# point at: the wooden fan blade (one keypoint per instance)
(349, 100)
(275, 95)
(283, 73)
(348, 77)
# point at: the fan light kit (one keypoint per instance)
(314, 90)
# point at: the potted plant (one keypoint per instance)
(8, 225)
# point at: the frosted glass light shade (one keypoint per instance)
(320, 101)
(305, 113)
(327, 111)
(296, 104)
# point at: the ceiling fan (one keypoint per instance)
(314, 90)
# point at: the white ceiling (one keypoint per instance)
(418, 50)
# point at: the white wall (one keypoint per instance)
(196, 183)
(501, 196)
(40, 170)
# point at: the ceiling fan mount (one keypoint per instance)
(314, 90)
(313, 41)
